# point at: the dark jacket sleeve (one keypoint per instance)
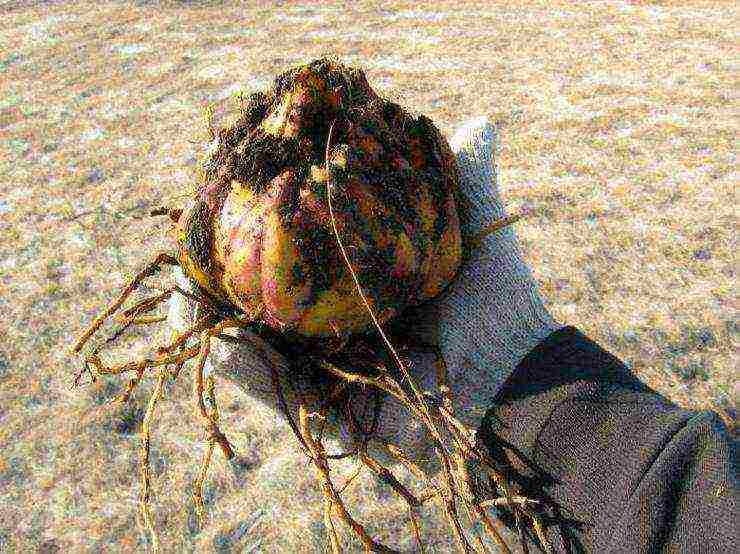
(620, 468)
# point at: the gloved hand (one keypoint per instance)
(484, 322)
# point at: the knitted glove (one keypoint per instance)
(484, 323)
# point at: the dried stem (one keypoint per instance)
(419, 397)
(330, 494)
(144, 503)
(149, 269)
(200, 481)
(421, 407)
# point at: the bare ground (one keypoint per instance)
(619, 121)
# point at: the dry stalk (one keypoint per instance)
(149, 269)
(422, 405)
(200, 482)
(144, 503)
(336, 505)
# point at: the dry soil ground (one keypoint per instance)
(619, 121)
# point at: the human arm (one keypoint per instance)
(622, 467)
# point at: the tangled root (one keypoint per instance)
(175, 354)
(456, 487)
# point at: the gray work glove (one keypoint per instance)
(485, 322)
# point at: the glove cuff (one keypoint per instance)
(493, 315)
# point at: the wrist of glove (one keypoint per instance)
(492, 315)
(484, 323)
